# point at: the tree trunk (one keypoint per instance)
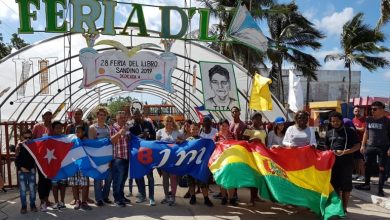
(349, 88)
(281, 85)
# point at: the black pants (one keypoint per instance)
(44, 186)
(370, 165)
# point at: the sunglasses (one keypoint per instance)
(27, 137)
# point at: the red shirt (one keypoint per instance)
(359, 123)
(41, 130)
(121, 149)
(237, 129)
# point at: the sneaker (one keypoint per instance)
(381, 193)
(363, 187)
(85, 206)
(130, 194)
(224, 201)
(73, 202)
(34, 208)
(99, 203)
(208, 202)
(120, 204)
(126, 201)
(152, 202)
(43, 207)
(62, 205)
(218, 196)
(165, 200)
(23, 211)
(355, 176)
(233, 202)
(108, 201)
(140, 200)
(172, 201)
(193, 200)
(138, 195)
(77, 205)
(361, 179)
(187, 195)
(56, 206)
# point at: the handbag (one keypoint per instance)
(183, 181)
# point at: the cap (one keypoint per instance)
(46, 110)
(279, 120)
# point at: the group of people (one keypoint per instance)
(371, 136)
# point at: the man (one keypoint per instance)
(360, 123)
(120, 164)
(144, 129)
(343, 141)
(221, 85)
(237, 127)
(44, 184)
(376, 142)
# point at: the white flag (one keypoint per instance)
(245, 30)
(295, 93)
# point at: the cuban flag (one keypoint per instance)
(245, 30)
(60, 157)
(202, 113)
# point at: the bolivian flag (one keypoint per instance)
(299, 176)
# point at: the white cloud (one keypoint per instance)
(9, 10)
(309, 14)
(333, 24)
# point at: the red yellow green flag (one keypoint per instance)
(299, 176)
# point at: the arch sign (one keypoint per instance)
(126, 68)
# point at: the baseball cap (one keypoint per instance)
(46, 110)
(279, 120)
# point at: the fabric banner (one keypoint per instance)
(60, 157)
(295, 92)
(299, 176)
(260, 99)
(245, 29)
(189, 157)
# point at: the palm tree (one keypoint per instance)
(360, 45)
(290, 33)
(385, 13)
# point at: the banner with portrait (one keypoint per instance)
(219, 86)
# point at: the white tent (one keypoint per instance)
(65, 74)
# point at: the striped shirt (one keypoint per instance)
(121, 150)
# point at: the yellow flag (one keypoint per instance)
(260, 99)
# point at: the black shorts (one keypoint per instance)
(341, 179)
(358, 155)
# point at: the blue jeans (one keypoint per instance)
(27, 182)
(142, 188)
(102, 191)
(119, 175)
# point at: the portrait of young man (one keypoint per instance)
(219, 86)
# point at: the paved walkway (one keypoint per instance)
(10, 209)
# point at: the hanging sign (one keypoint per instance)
(127, 68)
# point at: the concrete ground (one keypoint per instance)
(10, 209)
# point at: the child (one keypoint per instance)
(60, 185)
(25, 165)
(191, 180)
(78, 181)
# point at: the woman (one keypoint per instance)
(169, 134)
(101, 130)
(300, 134)
(186, 132)
(275, 137)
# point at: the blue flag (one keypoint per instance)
(189, 157)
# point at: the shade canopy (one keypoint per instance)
(24, 96)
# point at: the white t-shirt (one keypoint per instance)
(209, 135)
(172, 137)
(295, 137)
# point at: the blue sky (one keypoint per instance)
(327, 15)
